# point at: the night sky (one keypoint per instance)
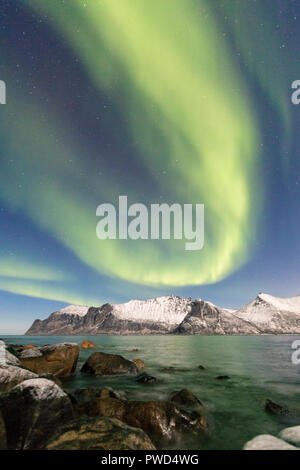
(165, 101)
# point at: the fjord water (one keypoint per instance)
(259, 367)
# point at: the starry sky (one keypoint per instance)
(165, 102)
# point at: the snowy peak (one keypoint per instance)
(78, 310)
(168, 310)
(273, 315)
(290, 304)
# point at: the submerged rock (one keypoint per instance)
(186, 399)
(59, 360)
(223, 377)
(100, 434)
(10, 376)
(173, 370)
(201, 367)
(101, 363)
(268, 442)
(274, 408)
(32, 411)
(146, 379)
(87, 344)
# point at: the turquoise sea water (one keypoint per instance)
(259, 367)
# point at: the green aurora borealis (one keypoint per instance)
(185, 127)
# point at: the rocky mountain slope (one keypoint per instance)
(264, 315)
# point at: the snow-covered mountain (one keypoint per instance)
(273, 314)
(160, 315)
(172, 314)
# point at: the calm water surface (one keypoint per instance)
(259, 367)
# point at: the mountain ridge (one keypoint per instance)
(265, 314)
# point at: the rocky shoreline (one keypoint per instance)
(36, 412)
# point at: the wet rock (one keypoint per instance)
(108, 392)
(32, 411)
(139, 364)
(186, 399)
(146, 379)
(87, 344)
(59, 360)
(51, 377)
(268, 442)
(100, 434)
(291, 435)
(133, 350)
(161, 420)
(10, 376)
(85, 395)
(201, 367)
(3, 442)
(108, 364)
(223, 377)
(274, 408)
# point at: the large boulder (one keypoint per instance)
(10, 376)
(3, 442)
(101, 363)
(32, 411)
(268, 442)
(291, 435)
(161, 420)
(59, 360)
(100, 434)
(6, 356)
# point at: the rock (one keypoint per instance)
(100, 434)
(32, 411)
(7, 358)
(173, 370)
(268, 442)
(186, 399)
(146, 379)
(51, 377)
(108, 364)
(3, 442)
(59, 360)
(291, 435)
(10, 376)
(30, 346)
(274, 408)
(133, 350)
(139, 364)
(85, 395)
(87, 344)
(108, 392)
(201, 367)
(223, 377)
(161, 420)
